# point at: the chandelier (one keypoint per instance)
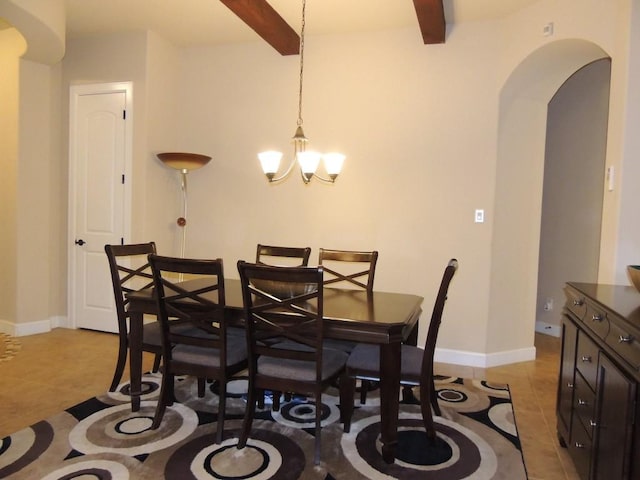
(306, 159)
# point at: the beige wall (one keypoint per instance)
(12, 45)
(431, 133)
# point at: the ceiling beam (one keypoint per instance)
(431, 19)
(267, 23)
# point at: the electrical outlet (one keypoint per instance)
(548, 305)
(479, 216)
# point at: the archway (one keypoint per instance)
(518, 192)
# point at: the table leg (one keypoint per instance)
(135, 359)
(389, 393)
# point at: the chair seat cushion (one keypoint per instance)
(364, 361)
(342, 345)
(305, 371)
(210, 357)
(151, 334)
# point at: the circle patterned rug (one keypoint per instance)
(102, 439)
(9, 347)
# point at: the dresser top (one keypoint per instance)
(623, 300)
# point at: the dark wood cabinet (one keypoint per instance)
(597, 402)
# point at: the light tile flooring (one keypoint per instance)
(56, 370)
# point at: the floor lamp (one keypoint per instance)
(184, 163)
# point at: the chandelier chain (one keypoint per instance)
(304, 6)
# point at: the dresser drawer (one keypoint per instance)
(580, 449)
(584, 404)
(597, 321)
(626, 344)
(575, 303)
(587, 359)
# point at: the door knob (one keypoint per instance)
(80, 242)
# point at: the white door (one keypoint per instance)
(99, 197)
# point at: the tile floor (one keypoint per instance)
(56, 370)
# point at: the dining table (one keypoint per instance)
(384, 318)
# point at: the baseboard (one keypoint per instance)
(32, 328)
(484, 360)
(548, 329)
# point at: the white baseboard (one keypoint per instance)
(32, 328)
(548, 329)
(484, 360)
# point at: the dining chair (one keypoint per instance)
(283, 309)
(130, 271)
(191, 292)
(354, 270)
(416, 363)
(283, 256)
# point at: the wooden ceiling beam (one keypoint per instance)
(431, 19)
(267, 23)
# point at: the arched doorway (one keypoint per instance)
(522, 126)
(572, 201)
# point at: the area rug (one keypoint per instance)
(102, 439)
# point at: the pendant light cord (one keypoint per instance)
(304, 5)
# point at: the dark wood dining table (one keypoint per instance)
(383, 318)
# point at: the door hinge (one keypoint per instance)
(121, 240)
(123, 178)
(124, 114)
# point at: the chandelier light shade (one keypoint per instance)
(184, 162)
(308, 161)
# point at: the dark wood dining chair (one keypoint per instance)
(283, 256)
(283, 309)
(355, 270)
(416, 364)
(130, 271)
(206, 349)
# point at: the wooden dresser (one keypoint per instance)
(597, 407)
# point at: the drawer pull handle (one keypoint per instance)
(578, 303)
(625, 339)
(579, 445)
(592, 423)
(569, 385)
(597, 317)
(582, 403)
(586, 358)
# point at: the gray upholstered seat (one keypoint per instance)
(365, 359)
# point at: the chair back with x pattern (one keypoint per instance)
(283, 309)
(349, 268)
(130, 272)
(283, 256)
(190, 291)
